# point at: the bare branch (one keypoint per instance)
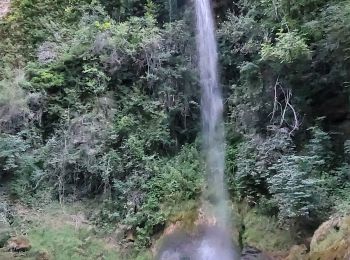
(287, 95)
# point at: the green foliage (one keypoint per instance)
(278, 57)
(289, 47)
(119, 99)
(12, 149)
(333, 25)
(29, 23)
(239, 37)
(337, 185)
(149, 203)
(342, 201)
(14, 110)
(104, 102)
(296, 183)
(294, 189)
(258, 227)
(270, 172)
(254, 158)
(66, 242)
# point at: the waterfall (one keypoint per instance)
(212, 134)
(212, 241)
(212, 110)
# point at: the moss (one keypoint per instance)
(67, 243)
(331, 238)
(147, 255)
(186, 213)
(264, 233)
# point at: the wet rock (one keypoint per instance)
(173, 227)
(209, 243)
(205, 219)
(18, 244)
(252, 253)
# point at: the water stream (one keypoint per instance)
(212, 131)
(212, 109)
(213, 241)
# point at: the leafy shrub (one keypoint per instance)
(295, 191)
(296, 183)
(258, 227)
(289, 47)
(255, 156)
(12, 149)
(270, 172)
(14, 110)
(174, 182)
(67, 242)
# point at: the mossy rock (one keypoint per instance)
(263, 232)
(186, 213)
(18, 244)
(43, 255)
(331, 240)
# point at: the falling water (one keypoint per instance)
(213, 242)
(212, 108)
(212, 128)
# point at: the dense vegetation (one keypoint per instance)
(99, 100)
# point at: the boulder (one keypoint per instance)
(43, 255)
(332, 225)
(18, 244)
(331, 240)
